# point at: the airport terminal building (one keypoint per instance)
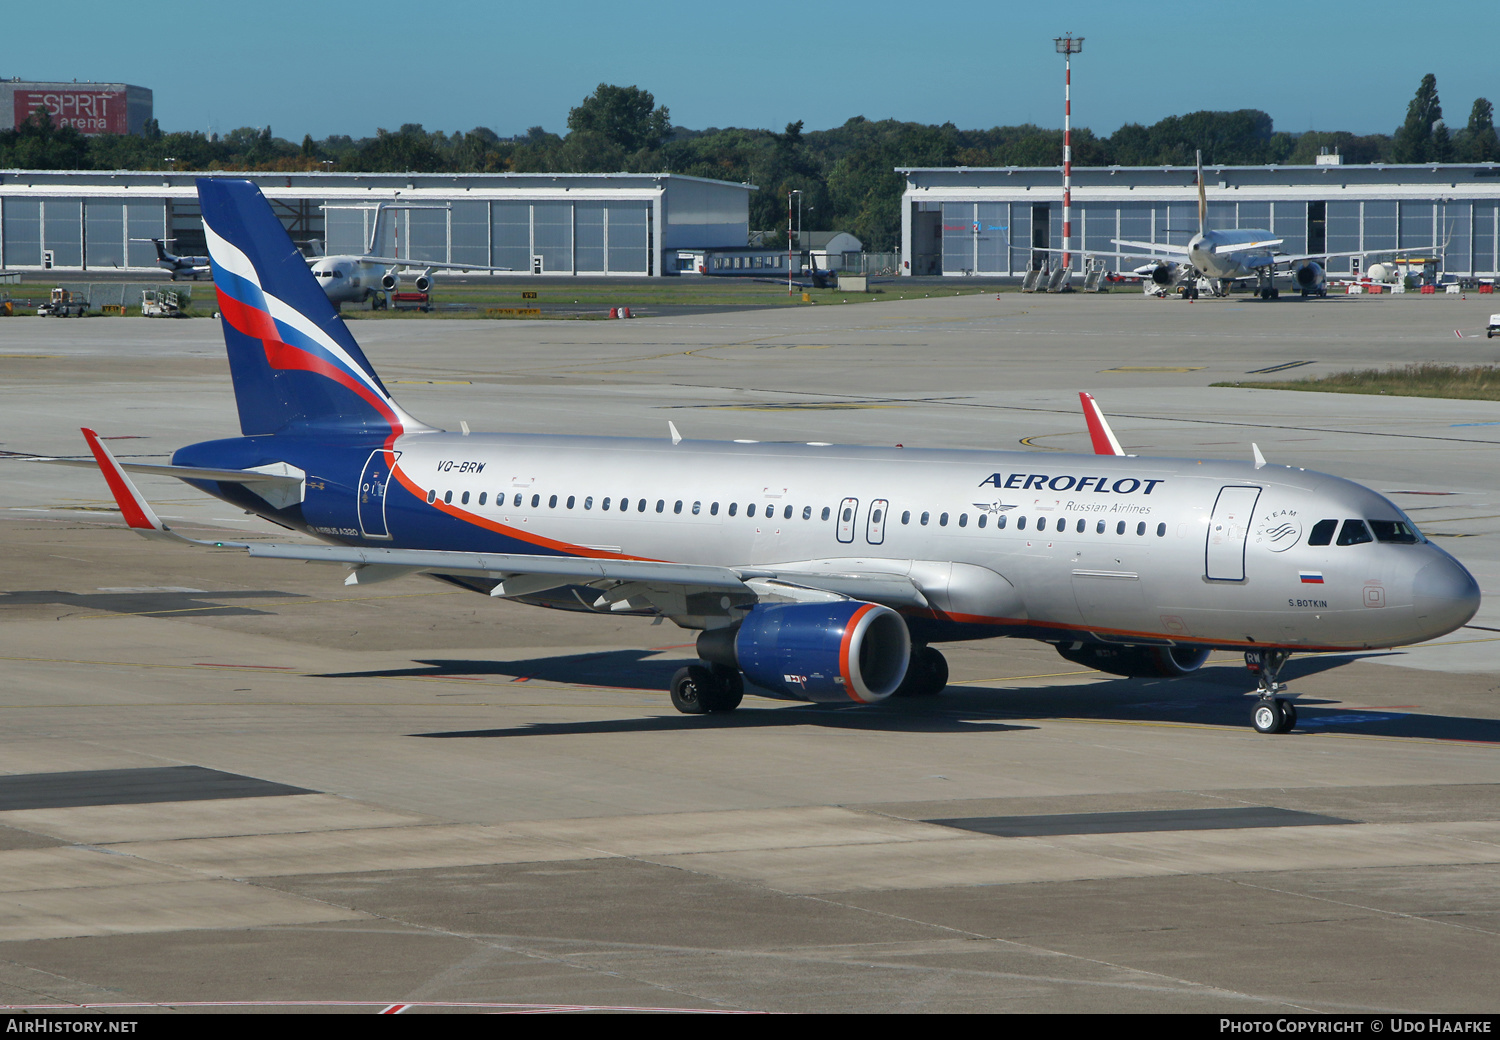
(545, 224)
(987, 221)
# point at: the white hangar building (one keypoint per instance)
(986, 221)
(547, 224)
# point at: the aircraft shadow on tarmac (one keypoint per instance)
(1216, 696)
(177, 603)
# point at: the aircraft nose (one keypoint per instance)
(1444, 595)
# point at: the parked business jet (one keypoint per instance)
(358, 278)
(816, 572)
(193, 267)
(1228, 256)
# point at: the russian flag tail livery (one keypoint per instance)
(294, 364)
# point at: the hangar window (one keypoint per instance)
(1354, 532)
(431, 497)
(464, 498)
(807, 512)
(983, 520)
(1394, 531)
(1322, 532)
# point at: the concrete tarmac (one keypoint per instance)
(225, 780)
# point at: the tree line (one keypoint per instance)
(846, 174)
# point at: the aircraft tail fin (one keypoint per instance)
(161, 251)
(1202, 198)
(294, 364)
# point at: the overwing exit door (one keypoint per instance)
(848, 510)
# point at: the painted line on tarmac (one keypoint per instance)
(1277, 368)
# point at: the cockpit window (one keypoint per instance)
(1397, 531)
(1355, 532)
(1322, 532)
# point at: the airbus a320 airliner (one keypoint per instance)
(816, 572)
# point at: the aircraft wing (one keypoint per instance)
(622, 584)
(408, 262)
(1157, 248)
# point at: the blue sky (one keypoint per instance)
(350, 67)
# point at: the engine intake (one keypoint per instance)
(1310, 275)
(389, 281)
(836, 653)
(1136, 662)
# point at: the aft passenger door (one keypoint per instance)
(372, 487)
(1227, 528)
(848, 510)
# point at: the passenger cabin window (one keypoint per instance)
(963, 519)
(1120, 527)
(431, 497)
(1161, 530)
(807, 512)
(750, 510)
(733, 507)
(713, 510)
(1354, 532)
(1000, 522)
(925, 518)
(678, 507)
(571, 500)
(825, 512)
(906, 516)
(1395, 531)
(1140, 528)
(464, 498)
(943, 520)
(786, 514)
(482, 494)
(1100, 528)
(603, 505)
(1082, 523)
(697, 506)
(1020, 523)
(588, 503)
(983, 520)
(551, 502)
(1041, 523)
(447, 497)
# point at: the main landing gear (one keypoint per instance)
(926, 674)
(702, 688)
(1272, 714)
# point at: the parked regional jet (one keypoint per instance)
(357, 278)
(188, 266)
(1227, 256)
(816, 572)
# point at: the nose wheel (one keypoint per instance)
(1272, 714)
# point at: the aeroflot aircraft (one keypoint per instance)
(816, 572)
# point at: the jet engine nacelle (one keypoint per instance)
(840, 652)
(1310, 276)
(1163, 274)
(422, 282)
(1137, 662)
(389, 280)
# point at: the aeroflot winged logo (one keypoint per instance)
(1069, 482)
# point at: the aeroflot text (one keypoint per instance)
(1068, 482)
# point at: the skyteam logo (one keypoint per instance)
(1279, 531)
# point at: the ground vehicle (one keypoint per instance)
(63, 304)
(1494, 326)
(158, 303)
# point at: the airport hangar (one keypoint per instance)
(992, 221)
(548, 224)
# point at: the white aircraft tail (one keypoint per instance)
(1202, 198)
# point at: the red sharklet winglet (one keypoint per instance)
(1105, 442)
(137, 512)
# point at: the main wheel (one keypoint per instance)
(926, 674)
(692, 688)
(1288, 715)
(729, 689)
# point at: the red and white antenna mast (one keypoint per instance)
(1067, 46)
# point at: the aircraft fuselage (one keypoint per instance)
(1170, 551)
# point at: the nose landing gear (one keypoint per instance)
(1272, 714)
